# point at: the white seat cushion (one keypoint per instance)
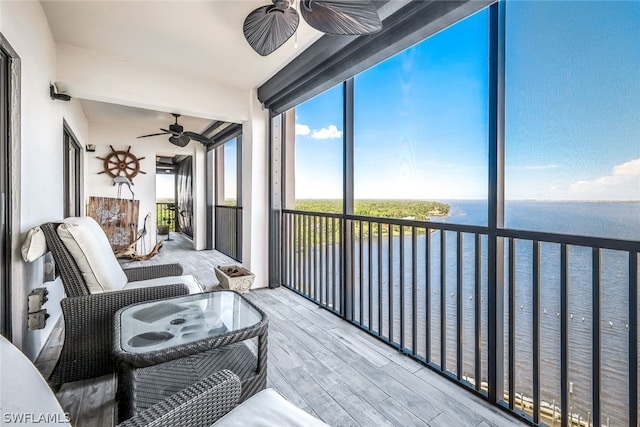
(90, 248)
(268, 409)
(34, 245)
(187, 279)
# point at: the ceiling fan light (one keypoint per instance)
(180, 141)
(282, 4)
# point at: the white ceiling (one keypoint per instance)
(139, 120)
(199, 39)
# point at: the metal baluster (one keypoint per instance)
(596, 336)
(443, 300)
(414, 290)
(564, 336)
(380, 280)
(459, 333)
(402, 287)
(478, 314)
(536, 332)
(633, 338)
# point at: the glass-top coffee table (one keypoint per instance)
(164, 346)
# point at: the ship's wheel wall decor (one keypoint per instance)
(121, 163)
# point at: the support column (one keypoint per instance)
(496, 205)
(255, 192)
(210, 189)
(199, 197)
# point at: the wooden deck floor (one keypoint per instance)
(323, 364)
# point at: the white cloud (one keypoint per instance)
(539, 167)
(330, 132)
(629, 168)
(622, 183)
(303, 130)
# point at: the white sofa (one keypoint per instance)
(25, 397)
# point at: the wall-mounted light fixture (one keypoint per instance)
(91, 148)
(54, 93)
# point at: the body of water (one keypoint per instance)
(616, 220)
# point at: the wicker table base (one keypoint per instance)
(141, 388)
(148, 374)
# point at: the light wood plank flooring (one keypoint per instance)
(323, 364)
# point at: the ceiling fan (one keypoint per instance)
(269, 27)
(179, 136)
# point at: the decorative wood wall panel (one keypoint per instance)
(117, 217)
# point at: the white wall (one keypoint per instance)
(104, 135)
(97, 77)
(25, 27)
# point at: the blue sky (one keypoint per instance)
(572, 112)
(231, 170)
(165, 186)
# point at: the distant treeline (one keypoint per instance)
(322, 231)
(421, 210)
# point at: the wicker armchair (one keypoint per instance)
(200, 405)
(87, 347)
(213, 402)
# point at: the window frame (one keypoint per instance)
(71, 197)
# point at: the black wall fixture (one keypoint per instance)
(54, 93)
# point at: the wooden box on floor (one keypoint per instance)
(234, 277)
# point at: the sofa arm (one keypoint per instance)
(88, 337)
(136, 274)
(200, 405)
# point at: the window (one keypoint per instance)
(572, 161)
(572, 114)
(421, 120)
(230, 156)
(72, 174)
(318, 153)
(554, 308)
(6, 59)
(228, 197)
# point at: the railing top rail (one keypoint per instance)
(397, 221)
(228, 207)
(310, 213)
(575, 240)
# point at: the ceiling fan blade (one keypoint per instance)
(174, 133)
(153, 134)
(180, 141)
(268, 27)
(197, 137)
(341, 17)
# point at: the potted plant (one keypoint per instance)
(234, 277)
